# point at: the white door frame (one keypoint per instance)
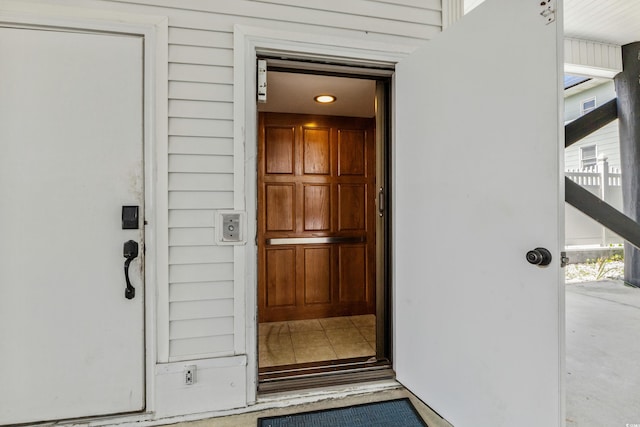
(248, 43)
(154, 30)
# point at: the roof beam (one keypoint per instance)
(590, 58)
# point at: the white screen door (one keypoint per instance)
(71, 139)
(478, 330)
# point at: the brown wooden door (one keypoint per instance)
(316, 216)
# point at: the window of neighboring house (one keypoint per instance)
(587, 105)
(588, 156)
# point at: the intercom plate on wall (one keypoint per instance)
(231, 227)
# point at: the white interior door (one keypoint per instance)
(478, 330)
(71, 344)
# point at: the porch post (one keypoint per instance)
(628, 91)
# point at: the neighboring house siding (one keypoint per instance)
(580, 229)
(603, 93)
(606, 139)
(201, 274)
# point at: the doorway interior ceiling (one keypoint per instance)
(294, 93)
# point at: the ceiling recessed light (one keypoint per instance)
(325, 99)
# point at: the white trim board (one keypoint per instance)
(248, 43)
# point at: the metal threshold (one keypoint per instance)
(323, 374)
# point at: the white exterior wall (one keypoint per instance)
(201, 274)
(201, 279)
(200, 315)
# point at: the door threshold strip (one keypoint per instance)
(296, 377)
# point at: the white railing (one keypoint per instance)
(595, 176)
(580, 230)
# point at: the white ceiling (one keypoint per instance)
(294, 93)
(606, 21)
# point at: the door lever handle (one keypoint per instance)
(130, 252)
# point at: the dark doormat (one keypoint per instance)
(399, 412)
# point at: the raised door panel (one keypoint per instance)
(279, 150)
(317, 207)
(280, 207)
(352, 269)
(280, 272)
(352, 206)
(316, 146)
(317, 275)
(352, 152)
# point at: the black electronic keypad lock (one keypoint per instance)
(130, 252)
(130, 219)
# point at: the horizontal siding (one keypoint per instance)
(186, 273)
(201, 291)
(205, 309)
(200, 145)
(607, 141)
(201, 91)
(200, 109)
(602, 93)
(365, 8)
(198, 55)
(194, 328)
(200, 200)
(200, 73)
(201, 181)
(201, 254)
(202, 236)
(606, 138)
(201, 133)
(208, 38)
(200, 347)
(200, 163)
(224, 14)
(198, 218)
(200, 127)
(421, 4)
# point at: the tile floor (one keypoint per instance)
(316, 340)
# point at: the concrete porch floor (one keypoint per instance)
(603, 354)
(251, 419)
(602, 364)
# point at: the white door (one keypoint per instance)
(71, 144)
(478, 329)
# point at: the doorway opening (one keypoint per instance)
(322, 232)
